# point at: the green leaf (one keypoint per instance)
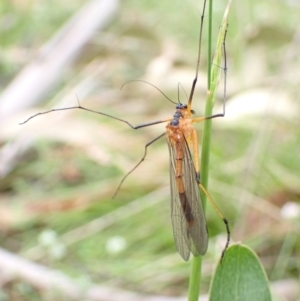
(240, 276)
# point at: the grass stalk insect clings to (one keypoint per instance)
(187, 213)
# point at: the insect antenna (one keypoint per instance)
(143, 81)
(179, 85)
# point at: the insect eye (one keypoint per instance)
(193, 112)
(181, 106)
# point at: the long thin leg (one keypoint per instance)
(200, 119)
(143, 158)
(222, 217)
(119, 119)
(198, 60)
(194, 141)
(100, 113)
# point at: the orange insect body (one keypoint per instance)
(189, 225)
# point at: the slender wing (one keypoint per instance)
(180, 232)
(188, 219)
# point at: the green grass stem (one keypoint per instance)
(213, 74)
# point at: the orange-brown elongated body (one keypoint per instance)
(188, 219)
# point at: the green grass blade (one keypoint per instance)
(195, 276)
(214, 70)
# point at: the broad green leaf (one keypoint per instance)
(240, 277)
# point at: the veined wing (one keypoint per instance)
(188, 219)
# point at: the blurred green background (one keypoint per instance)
(59, 171)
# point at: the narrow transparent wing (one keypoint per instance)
(198, 230)
(189, 225)
(182, 240)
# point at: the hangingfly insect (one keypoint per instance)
(187, 214)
